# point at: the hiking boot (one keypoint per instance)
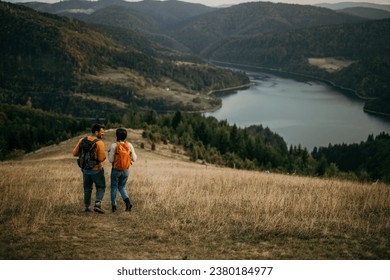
(86, 209)
(113, 208)
(128, 205)
(98, 208)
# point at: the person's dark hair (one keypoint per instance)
(121, 134)
(96, 127)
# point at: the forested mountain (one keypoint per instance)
(344, 5)
(124, 18)
(170, 11)
(168, 14)
(155, 19)
(283, 37)
(171, 14)
(64, 65)
(361, 9)
(251, 19)
(369, 13)
(193, 25)
(134, 20)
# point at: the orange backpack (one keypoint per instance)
(122, 159)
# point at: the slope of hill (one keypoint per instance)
(73, 6)
(250, 19)
(167, 13)
(198, 26)
(170, 13)
(67, 66)
(369, 13)
(123, 17)
(344, 5)
(152, 18)
(186, 210)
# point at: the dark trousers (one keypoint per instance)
(90, 177)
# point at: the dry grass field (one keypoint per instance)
(185, 210)
(330, 64)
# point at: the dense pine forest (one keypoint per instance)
(24, 129)
(257, 148)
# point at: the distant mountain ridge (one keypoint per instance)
(254, 18)
(369, 13)
(361, 9)
(283, 37)
(166, 12)
(153, 18)
(344, 5)
(194, 25)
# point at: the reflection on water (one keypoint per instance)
(306, 113)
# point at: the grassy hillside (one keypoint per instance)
(186, 210)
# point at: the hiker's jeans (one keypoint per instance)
(90, 177)
(118, 182)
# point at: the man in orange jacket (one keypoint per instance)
(96, 174)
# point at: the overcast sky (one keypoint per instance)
(232, 2)
(303, 2)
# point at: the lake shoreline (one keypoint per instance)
(302, 112)
(281, 73)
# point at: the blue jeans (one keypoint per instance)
(118, 182)
(90, 177)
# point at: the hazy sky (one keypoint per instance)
(232, 2)
(303, 2)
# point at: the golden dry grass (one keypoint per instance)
(330, 64)
(184, 210)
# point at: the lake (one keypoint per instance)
(309, 113)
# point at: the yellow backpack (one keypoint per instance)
(122, 158)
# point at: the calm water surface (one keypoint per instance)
(307, 113)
